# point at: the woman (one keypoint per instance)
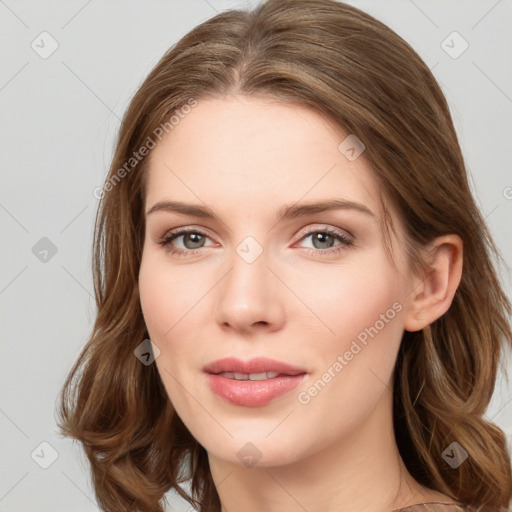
(297, 303)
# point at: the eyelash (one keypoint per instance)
(169, 237)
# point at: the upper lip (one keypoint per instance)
(255, 365)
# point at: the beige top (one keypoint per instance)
(433, 506)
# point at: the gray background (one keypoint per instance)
(59, 117)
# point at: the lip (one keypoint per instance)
(255, 365)
(252, 393)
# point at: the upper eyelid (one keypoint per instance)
(327, 227)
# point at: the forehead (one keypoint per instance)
(239, 152)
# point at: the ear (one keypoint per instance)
(432, 293)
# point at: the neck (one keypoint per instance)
(362, 472)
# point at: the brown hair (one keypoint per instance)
(352, 68)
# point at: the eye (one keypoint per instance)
(193, 240)
(324, 239)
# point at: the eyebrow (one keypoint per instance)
(290, 211)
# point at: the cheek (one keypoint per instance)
(355, 349)
(351, 297)
(161, 302)
(365, 314)
(167, 296)
(154, 302)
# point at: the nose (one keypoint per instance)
(249, 298)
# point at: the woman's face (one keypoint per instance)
(260, 277)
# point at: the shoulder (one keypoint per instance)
(434, 506)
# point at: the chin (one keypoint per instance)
(261, 453)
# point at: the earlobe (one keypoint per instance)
(432, 294)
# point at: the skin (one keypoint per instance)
(245, 158)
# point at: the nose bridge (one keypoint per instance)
(248, 294)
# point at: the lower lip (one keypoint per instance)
(252, 393)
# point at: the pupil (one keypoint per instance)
(318, 238)
(193, 236)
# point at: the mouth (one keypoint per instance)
(258, 368)
(250, 376)
(252, 383)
